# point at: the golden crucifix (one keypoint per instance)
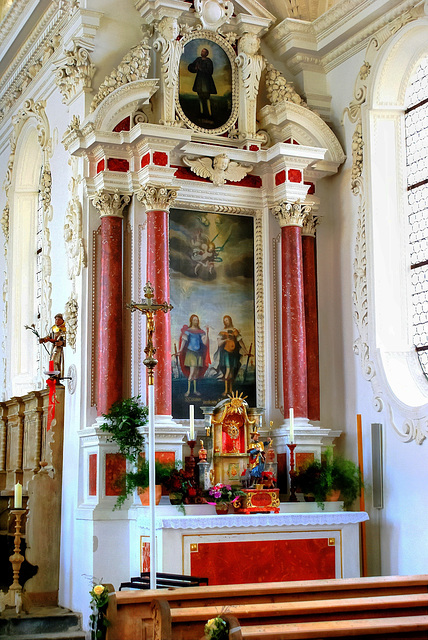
(149, 308)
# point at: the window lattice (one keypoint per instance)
(416, 124)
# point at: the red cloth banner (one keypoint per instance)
(51, 382)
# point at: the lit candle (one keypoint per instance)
(192, 421)
(18, 496)
(291, 425)
(51, 365)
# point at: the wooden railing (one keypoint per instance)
(32, 455)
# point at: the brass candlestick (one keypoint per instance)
(15, 597)
(292, 474)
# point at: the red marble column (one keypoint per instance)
(157, 201)
(294, 365)
(311, 316)
(110, 329)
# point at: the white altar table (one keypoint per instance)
(290, 545)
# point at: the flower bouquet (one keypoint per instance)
(98, 618)
(216, 629)
(221, 495)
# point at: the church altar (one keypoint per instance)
(244, 548)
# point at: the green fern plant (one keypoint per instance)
(122, 423)
(321, 477)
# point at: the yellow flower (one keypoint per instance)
(98, 589)
(211, 623)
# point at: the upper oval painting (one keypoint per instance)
(206, 100)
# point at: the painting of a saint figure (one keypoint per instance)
(205, 84)
(212, 322)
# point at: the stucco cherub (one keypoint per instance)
(218, 169)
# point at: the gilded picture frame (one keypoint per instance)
(207, 96)
(212, 290)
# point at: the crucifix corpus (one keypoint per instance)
(149, 308)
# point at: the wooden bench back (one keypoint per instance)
(131, 611)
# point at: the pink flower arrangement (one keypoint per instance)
(223, 494)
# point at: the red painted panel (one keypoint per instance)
(165, 457)
(145, 160)
(145, 556)
(101, 165)
(280, 178)
(118, 164)
(249, 181)
(160, 158)
(115, 468)
(184, 173)
(253, 147)
(93, 474)
(264, 561)
(303, 457)
(311, 187)
(294, 175)
(123, 125)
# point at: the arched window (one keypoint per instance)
(393, 221)
(416, 134)
(25, 262)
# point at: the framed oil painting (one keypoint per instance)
(213, 319)
(207, 99)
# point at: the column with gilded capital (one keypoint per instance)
(157, 200)
(110, 330)
(311, 314)
(294, 367)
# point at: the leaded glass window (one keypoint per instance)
(416, 128)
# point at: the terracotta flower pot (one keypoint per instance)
(222, 509)
(144, 495)
(333, 496)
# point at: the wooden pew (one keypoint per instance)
(187, 623)
(398, 628)
(130, 612)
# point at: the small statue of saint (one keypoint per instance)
(57, 337)
(257, 457)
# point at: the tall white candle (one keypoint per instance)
(291, 425)
(192, 421)
(18, 496)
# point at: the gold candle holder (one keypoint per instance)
(16, 597)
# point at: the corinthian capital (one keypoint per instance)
(157, 198)
(310, 225)
(110, 204)
(291, 214)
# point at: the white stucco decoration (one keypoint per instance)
(381, 295)
(218, 169)
(122, 102)
(308, 128)
(213, 13)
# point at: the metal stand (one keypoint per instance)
(149, 308)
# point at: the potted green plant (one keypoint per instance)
(122, 423)
(320, 478)
(139, 479)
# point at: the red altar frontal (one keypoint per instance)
(247, 548)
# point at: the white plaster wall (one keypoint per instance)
(396, 540)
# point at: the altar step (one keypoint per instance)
(41, 623)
